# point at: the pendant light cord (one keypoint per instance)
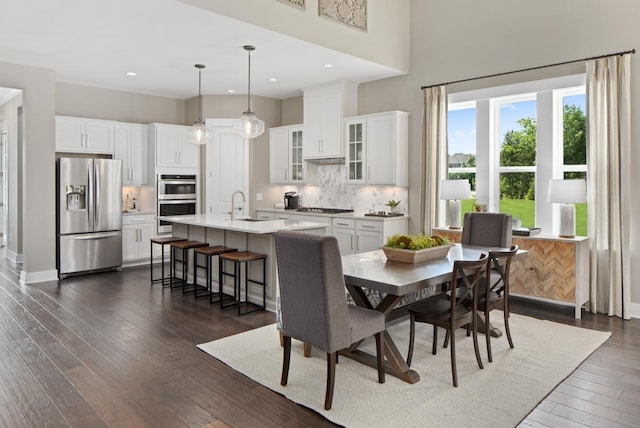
(249, 85)
(200, 94)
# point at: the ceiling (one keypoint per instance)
(91, 42)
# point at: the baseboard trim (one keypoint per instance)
(39, 276)
(634, 310)
(14, 257)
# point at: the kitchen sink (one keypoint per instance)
(249, 219)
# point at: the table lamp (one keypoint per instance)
(567, 193)
(454, 191)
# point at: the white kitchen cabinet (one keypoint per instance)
(173, 147)
(132, 147)
(285, 155)
(82, 135)
(345, 232)
(137, 230)
(324, 110)
(271, 215)
(358, 235)
(378, 149)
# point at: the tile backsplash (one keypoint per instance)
(334, 192)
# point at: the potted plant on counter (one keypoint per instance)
(416, 248)
(393, 205)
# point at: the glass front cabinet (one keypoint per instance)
(285, 155)
(355, 151)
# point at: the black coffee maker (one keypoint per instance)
(291, 201)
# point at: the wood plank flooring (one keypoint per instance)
(109, 350)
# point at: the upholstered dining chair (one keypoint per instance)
(451, 312)
(314, 306)
(494, 290)
(487, 230)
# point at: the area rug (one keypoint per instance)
(501, 395)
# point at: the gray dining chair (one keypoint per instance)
(487, 230)
(314, 305)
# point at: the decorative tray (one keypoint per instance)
(417, 256)
(378, 214)
(526, 231)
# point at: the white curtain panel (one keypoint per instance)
(609, 184)
(433, 154)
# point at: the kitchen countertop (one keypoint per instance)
(242, 225)
(356, 215)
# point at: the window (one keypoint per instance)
(461, 154)
(524, 135)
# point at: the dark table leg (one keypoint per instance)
(395, 365)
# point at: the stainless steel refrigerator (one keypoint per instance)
(89, 223)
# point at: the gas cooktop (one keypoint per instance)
(324, 210)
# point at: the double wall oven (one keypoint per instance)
(177, 195)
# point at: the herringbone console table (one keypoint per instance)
(555, 269)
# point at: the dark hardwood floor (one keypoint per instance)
(109, 350)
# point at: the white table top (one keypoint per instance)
(242, 225)
(373, 270)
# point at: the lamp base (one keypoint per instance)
(455, 206)
(567, 221)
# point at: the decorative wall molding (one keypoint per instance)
(350, 12)
(296, 3)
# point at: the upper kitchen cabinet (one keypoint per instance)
(378, 149)
(325, 108)
(285, 155)
(81, 135)
(173, 147)
(132, 147)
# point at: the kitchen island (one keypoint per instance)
(242, 234)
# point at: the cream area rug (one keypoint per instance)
(501, 395)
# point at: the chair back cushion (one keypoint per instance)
(487, 229)
(312, 290)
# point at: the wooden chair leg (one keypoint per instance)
(434, 346)
(307, 350)
(331, 376)
(488, 335)
(454, 370)
(506, 324)
(281, 338)
(380, 355)
(412, 334)
(446, 340)
(476, 348)
(285, 361)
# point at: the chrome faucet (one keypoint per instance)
(233, 205)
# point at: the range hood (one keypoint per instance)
(326, 161)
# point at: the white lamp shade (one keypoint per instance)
(455, 189)
(567, 191)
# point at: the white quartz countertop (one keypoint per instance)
(242, 225)
(355, 215)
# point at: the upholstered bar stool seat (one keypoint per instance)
(164, 280)
(182, 248)
(209, 253)
(239, 258)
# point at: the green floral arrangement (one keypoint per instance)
(415, 242)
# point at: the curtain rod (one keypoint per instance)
(632, 51)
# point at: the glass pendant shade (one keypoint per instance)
(199, 131)
(248, 126)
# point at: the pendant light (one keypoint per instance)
(249, 126)
(199, 132)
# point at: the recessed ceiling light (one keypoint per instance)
(273, 79)
(131, 73)
(328, 65)
(231, 91)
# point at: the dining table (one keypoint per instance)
(394, 280)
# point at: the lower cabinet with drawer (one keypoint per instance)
(137, 230)
(359, 236)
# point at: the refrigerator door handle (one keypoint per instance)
(97, 195)
(90, 196)
(89, 236)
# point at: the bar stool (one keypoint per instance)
(183, 247)
(209, 253)
(238, 258)
(162, 242)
